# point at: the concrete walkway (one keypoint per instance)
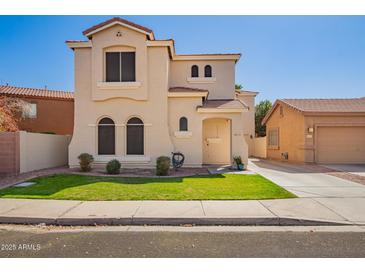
(299, 211)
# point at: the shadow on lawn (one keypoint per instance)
(52, 184)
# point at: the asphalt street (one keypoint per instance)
(150, 244)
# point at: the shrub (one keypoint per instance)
(85, 161)
(162, 166)
(237, 160)
(113, 167)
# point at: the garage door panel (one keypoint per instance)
(341, 144)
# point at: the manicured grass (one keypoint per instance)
(90, 188)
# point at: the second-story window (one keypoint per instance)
(30, 111)
(120, 67)
(194, 71)
(207, 71)
(183, 124)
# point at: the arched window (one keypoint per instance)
(183, 124)
(207, 71)
(106, 137)
(194, 71)
(135, 136)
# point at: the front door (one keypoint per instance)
(217, 141)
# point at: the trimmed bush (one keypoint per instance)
(237, 160)
(85, 161)
(113, 167)
(162, 166)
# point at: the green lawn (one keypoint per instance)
(90, 188)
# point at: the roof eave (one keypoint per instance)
(220, 110)
(89, 34)
(187, 94)
(78, 44)
(192, 57)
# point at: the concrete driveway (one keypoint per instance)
(356, 169)
(309, 180)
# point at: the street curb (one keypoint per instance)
(276, 221)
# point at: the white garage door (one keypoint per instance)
(341, 145)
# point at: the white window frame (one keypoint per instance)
(30, 111)
(128, 84)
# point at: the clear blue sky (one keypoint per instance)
(283, 56)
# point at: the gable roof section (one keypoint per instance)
(152, 42)
(321, 106)
(186, 89)
(118, 21)
(180, 92)
(225, 106)
(36, 93)
(240, 92)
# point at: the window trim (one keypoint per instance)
(201, 80)
(25, 115)
(120, 51)
(187, 124)
(205, 71)
(270, 146)
(191, 71)
(126, 139)
(97, 136)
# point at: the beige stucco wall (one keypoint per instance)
(39, 151)
(248, 120)
(222, 71)
(155, 72)
(291, 134)
(259, 147)
(190, 146)
(121, 106)
(130, 40)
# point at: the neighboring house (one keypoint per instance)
(47, 111)
(136, 99)
(317, 130)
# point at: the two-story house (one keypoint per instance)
(136, 99)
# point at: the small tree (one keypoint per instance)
(238, 86)
(260, 111)
(11, 110)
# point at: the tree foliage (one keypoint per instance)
(260, 112)
(238, 86)
(10, 113)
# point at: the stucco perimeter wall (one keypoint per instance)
(9, 152)
(291, 134)
(223, 71)
(25, 151)
(39, 151)
(249, 121)
(259, 145)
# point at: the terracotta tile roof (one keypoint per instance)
(336, 106)
(186, 89)
(327, 105)
(208, 54)
(223, 104)
(76, 41)
(116, 19)
(246, 92)
(34, 92)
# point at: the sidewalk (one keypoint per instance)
(299, 211)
